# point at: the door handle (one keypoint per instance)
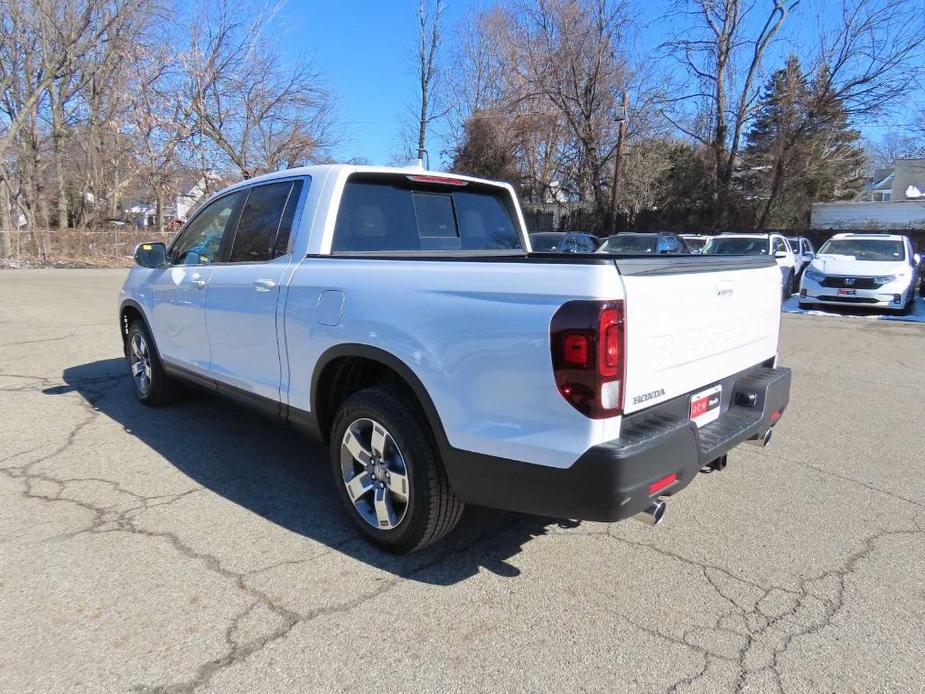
(198, 282)
(264, 285)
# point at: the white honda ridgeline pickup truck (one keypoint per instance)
(400, 316)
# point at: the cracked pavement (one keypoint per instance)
(199, 547)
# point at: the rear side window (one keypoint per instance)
(392, 213)
(266, 222)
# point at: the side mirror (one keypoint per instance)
(917, 258)
(151, 255)
(780, 254)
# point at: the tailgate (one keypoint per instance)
(691, 321)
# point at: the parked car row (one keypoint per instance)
(875, 270)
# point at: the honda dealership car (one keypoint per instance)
(870, 270)
(771, 245)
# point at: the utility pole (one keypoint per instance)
(618, 161)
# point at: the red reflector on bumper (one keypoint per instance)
(775, 415)
(658, 486)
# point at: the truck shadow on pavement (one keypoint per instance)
(284, 477)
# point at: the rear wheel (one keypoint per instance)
(805, 306)
(150, 383)
(388, 473)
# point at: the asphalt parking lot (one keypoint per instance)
(200, 547)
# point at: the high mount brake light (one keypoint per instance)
(588, 346)
(438, 179)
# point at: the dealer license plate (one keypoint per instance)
(705, 405)
(847, 292)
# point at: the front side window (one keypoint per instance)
(200, 241)
(393, 213)
(264, 220)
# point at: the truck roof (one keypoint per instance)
(319, 170)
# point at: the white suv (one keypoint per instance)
(768, 245)
(870, 270)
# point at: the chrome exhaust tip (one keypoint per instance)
(761, 440)
(653, 514)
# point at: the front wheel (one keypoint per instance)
(388, 473)
(150, 383)
(788, 287)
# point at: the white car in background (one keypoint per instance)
(803, 252)
(768, 245)
(695, 242)
(869, 270)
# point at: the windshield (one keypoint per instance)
(547, 241)
(736, 246)
(865, 249)
(694, 241)
(635, 243)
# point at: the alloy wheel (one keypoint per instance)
(140, 363)
(374, 474)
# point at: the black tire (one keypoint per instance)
(432, 509)
(162, 388)
(788, 287)
(805, 307)
(907, 308)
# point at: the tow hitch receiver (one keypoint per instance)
(717, 465)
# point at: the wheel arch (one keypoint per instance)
(343, 369)
(130, 311)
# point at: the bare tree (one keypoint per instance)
(430, 37)
(868, 59)
(724, 54)
(572, 60)
(890, 146)
(256, 114)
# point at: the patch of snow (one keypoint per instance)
(917, 315)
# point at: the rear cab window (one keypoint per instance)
(414, 212)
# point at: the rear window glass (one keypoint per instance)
(391, 213)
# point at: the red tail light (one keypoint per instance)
(587, 342)
(444, 180)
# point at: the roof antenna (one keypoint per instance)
(422, 161)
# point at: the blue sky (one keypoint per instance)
(365, 49)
